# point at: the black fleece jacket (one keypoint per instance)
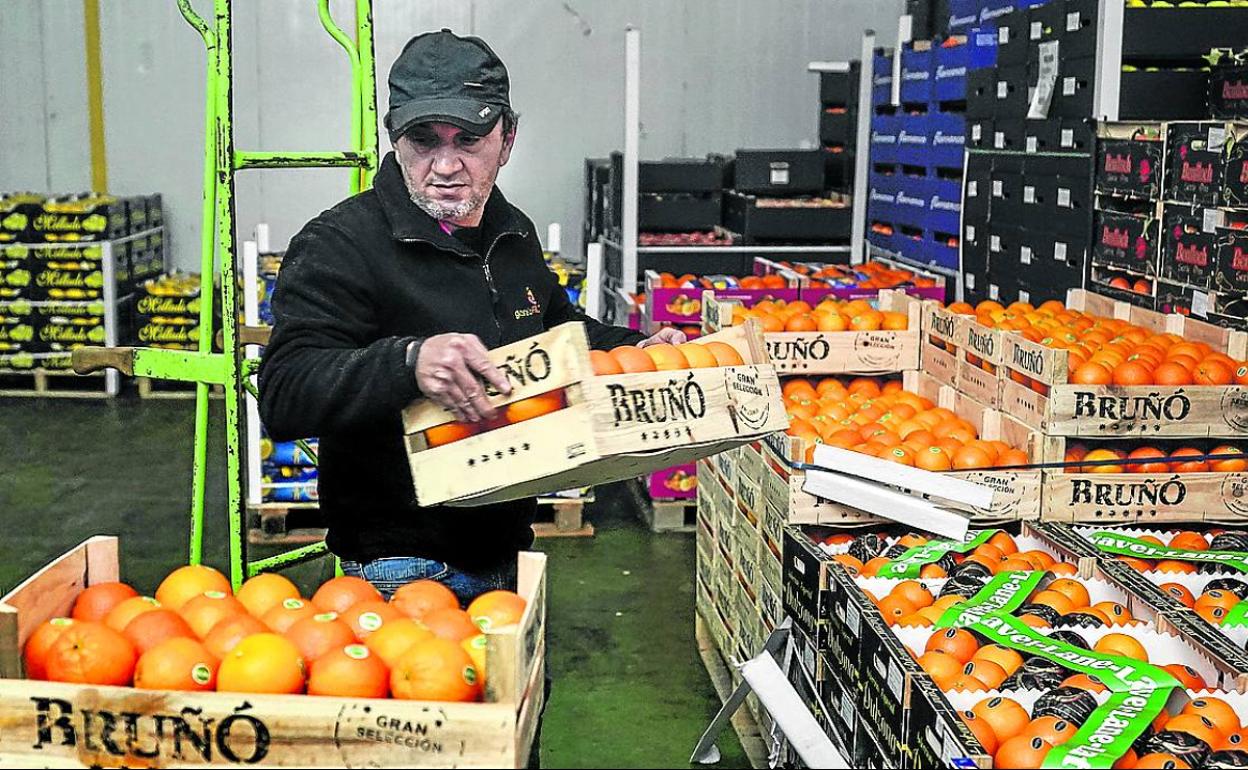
(360, 283)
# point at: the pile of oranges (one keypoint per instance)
(1108, 351)
(829, 315)
(1151, 459)
(625, 359)
(196, 635)
(1188, 540)
(870, 275)
(885, 421)
(1019, 739)
(870, 552)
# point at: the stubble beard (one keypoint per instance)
(438, 210)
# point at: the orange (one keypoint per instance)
(393, 639)
(1022, 751)
(441, 435)
(985, 671)
(177, 663)
(1121, 644)
(666, 357)
(263, 663)
(632, 359)
(1103, 454)
(1179, 593)
(1091, 374)
(1217, 711)
(1196, 726)
(798, 389)
(1192, 466)
(1073, 590)
(1223, 600)
(725, 354)
(206, 610)
(1084, 682)
(454, 625)
(1009, 660)
(957, 642)
(1004, 715)
(319, 634)
(1212, 372)
(894, 608)
(603, 364)
(91, 653)
(900, 455)
(933, 458)
(697, 356)
(1118, 615)
(982, 730)
(529, 408)
(1058, 601)
(1213, 615)
(369, 615)
(1012, 457)
(419, 597)
(96, 602)
(872, 567)
(1228, 466)
(35, 654)
(1172, 374)
(1187, 676)
(129, 609)
(264, 592)
(349, 672)
(1052, 729)
(185, 583)
(969, 457)
(1004, 542)
(914, 592)
(340, 593)
(1173, 565)
(151, 628)
(435, 669)
(1131, 373)
(895, 321)
(939, 665)
(496, 609)
(831, 322)
(851, 564)
(802, 322)
(1144, 453)
(280, 618)
(226, 635)
(1191, 541)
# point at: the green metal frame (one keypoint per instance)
(221, 163)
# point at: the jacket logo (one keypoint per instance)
(533, 308)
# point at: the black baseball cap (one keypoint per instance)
(443, 77)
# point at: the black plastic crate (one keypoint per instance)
(778, 172)
(840, 88)
(757, 221)
(681, 175)
(1163, 95)
(679, 212)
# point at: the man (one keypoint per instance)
(396, 294)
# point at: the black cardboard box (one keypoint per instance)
(1163, 95)
(1232, 261)
(888, 674)
(935, 735)
(1130, 241)
(1195, 162)
(1130, 167)
(1228, 92)
(1072, 97)
(805, 589)
(1188, 247)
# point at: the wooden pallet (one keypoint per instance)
(743, 723)
(284, 524)
(566, 517)
(664, 515)
(172, 389)
(53, 383)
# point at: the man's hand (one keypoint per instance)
(449, 371)
(670, 336)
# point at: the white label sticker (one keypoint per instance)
(1212, 220)
(1024, 296)
(1073, 22)
(1063, 197)
(1003, 89)
(780, 173)
(977, 131)
(972, 188)
(1033, 144)
(998, 140)
(1003, 36)
(895, 680)
(995, 243)
(1059, 251)
(993, 291)
(1200, 304)
(1024, 255)
(1029, 194)
(1068, 137)
(1069, 86)
(998, 188)
(852, 619)
(1037, 30)
(1216, 138)
(970, 280)
(849, 708)
(970, 232)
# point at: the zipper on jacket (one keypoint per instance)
(485, 267)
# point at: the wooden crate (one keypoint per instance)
(981, 352)
(563, 516)
(938, 350)
(614, 427)
(1036, 390)
(875, 352)
(46, 723)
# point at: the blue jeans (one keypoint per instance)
(388, 573)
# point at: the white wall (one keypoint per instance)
(717, 75)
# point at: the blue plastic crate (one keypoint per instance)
(944, 205)
(884, 130)
(963, 14)
(882, 81)
(912, 201)
(949, 80)
(912, 249)
(881, 197)
(940, 253)
(913, 139)
(994, 11)
(917, 69)
(981, 43)
(947, 139)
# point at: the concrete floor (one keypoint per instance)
(629, 688)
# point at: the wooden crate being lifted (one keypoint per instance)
(46, 724)
(614, 427)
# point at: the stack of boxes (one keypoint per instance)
(69, 268)
(779, 197)
(1028, 178)
(1172, 218)
(838, 126)
(166, 312)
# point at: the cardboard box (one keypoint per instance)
(1188, 247)
(1195, 162)
(1128, 241)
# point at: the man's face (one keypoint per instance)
(450, 172)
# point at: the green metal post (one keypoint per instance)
(206, 270)
(353, 57)
(366, 88)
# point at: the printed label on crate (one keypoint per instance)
(1122, 545)
(910, 563)
(1006, 592)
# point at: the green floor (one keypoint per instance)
(629, 688)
